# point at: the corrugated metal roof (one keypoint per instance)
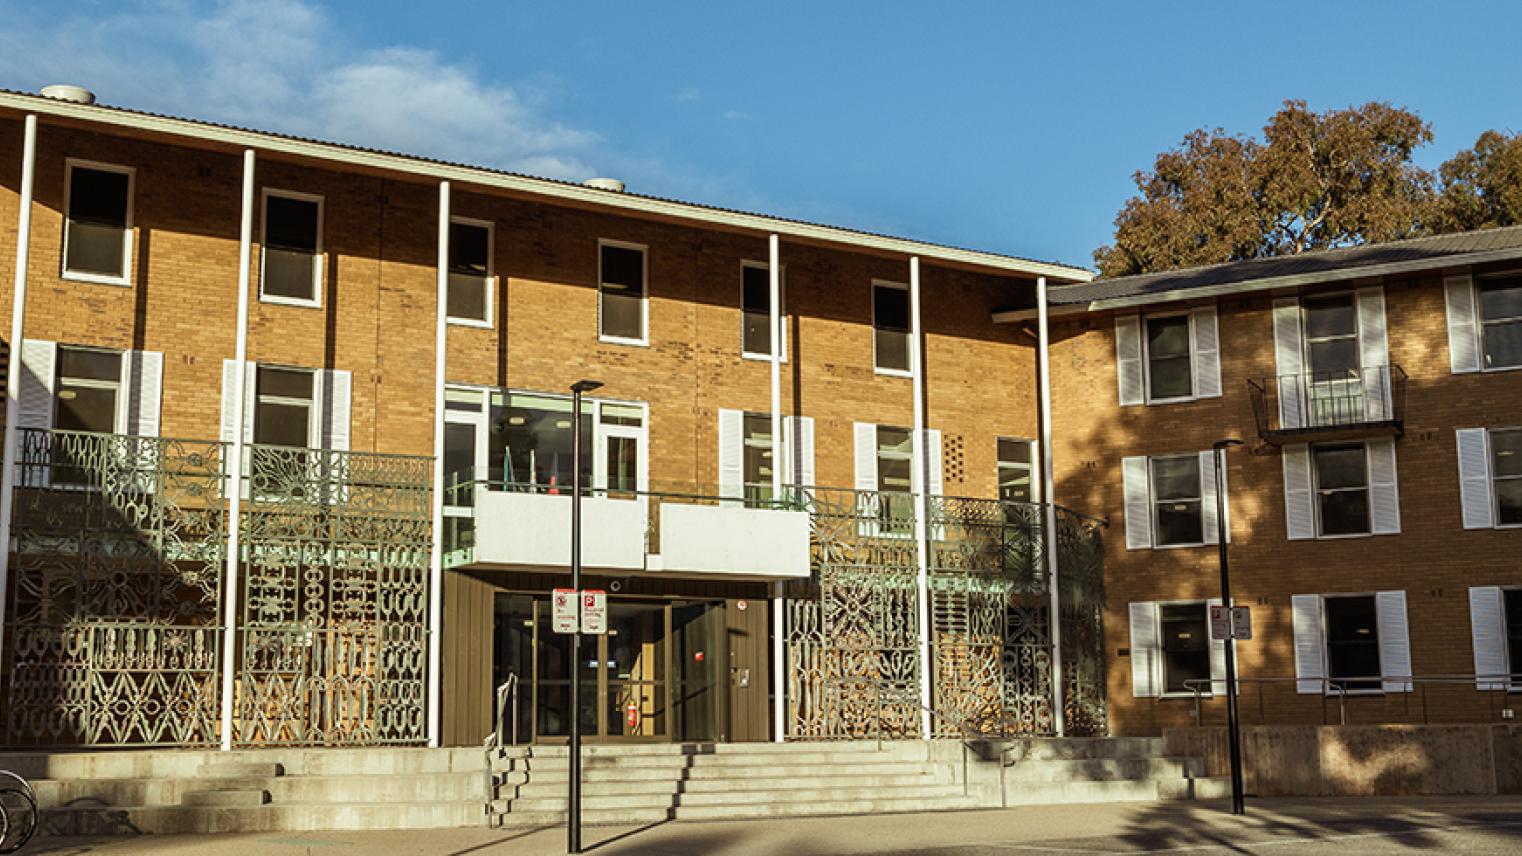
(549, 183)
(1246, 274)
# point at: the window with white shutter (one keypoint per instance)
(865, 434)
(1474, 478)
(1492, 641)
(1146, 650)
(1136, 480)
(1506, 470)
(1310, 650)
(335, 398)
(1499, 302)
(1394, 642)
(1289, 364)
(1299, 498)
(800, 450)
(1463, 331)
(1207, 352)
(731, 454)
(1128, 359)
(1374, 354)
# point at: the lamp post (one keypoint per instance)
(1233, 734)
(573, 815)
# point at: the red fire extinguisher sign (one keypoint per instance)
(631, 715)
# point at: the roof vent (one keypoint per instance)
(65, 92)
(612, 184)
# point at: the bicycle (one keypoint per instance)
(18, 802)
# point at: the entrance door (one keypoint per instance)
(624, 687)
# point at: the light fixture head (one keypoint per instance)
(586, 385)
(1226, 443)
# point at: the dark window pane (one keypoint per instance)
(1170, 378)
(890, 308)
(1345, 512)
(87, 364)
(1186, 649)
(623, 464)
(1176, 478)
(98, 197)
(1352, 640)
(290, 224)
(467, 296)
(1503, 345)
(1341, 466)
(756, 301)
(758, 456)
(459, 462)
(468, 249)
(1332, 359)
(623, 270)
(530, 442)
(892, 350)
(286, 383)
(96, 249)
(1330, 316)
(83, 408)
(893, 440)
(1014, 451)
(1179, 523)
(1015, 484)
(1514, 631)
(1506, 446)
(277, 424)
(290, 273)
(1168, 337)
(622, 316)
(1501, 299)
(1509, 500)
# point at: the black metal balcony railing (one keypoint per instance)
(1367, 401)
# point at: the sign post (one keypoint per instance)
(573, 816)
(1233, 733)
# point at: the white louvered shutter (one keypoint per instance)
(34, 395)
(866, 477)
(145, 392)
(1136, 481)
(1463, 332)
(1128, 359)
(731, 454)
(1374, 353)
(1474, 478)
(799, 431)
(1208, 494)
(1217, 653)
(1299, 498)
(229, 381)
(1207, 353)
(1289, 363)
(1310, 664)
(336, 396)
(1146, 650)
(1487, 624)
(1394, 641)
(250, 386)
(1384, 492)
(935, 484)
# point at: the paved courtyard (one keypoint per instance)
(1347, 827)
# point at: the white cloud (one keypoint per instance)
(283, 65)
(687, 95)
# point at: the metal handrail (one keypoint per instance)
(506, 696)
(1344, 687)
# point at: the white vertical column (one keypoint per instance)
(920, 484)
(235, 454)
(436, 549)
(1049, 504)
(781, 456)
(13, 370)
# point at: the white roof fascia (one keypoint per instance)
(331, 152)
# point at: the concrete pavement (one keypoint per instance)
(1347, 827)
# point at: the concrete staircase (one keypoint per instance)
(169, 791)
(706, 781)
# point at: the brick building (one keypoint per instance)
(252, 501)
(1373, 511)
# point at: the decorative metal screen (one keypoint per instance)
(113, 626)
(335, 598)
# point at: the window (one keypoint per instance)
(470, 272)
(89, 390)
(1342, 488)
(621, 292)
(529, 443)
(292, 248)
(1185, 646)
(1176, 497)
(890, 328)
(1512, 607)
(1501, 321)
(758, 459)
(755, 312)
(895, 466)
(1014, 470)
(283, 407)
(1331, 337)
(97, 240)
(1169, 359)
(1352, 642)
(1506, 467)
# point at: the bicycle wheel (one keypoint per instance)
(18, 812)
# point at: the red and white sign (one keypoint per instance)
(1230, 623)
(594, 611)
(563, 610)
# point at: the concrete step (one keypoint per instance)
(1052, 793)
(226, 797)
(283, 789)
(537, 819)
(1195, 788)
(537, 786)
(97, 820)
(618, 773)
(629, 749)
(929, 793)
(816, 758)
(239, 769)
(191, 763)
(1102, 769)
(1073, 748)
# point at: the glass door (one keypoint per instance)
(634, 669)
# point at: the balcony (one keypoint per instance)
(1324, 406)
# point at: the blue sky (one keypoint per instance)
(1003, 126)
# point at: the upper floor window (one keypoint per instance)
(1352, 642)
(1342, 489)
(622, 296)
(97, 238)
(470, 272)
(1490, 476)
(758, 460)
(1339, 489)
(1176, 497)
(1170, 374)
(1185, 646)
(1495, 621)
(291, 249)
(890, 328)
(89, 390)
(895, 480)
(1014, 470)
(1331, 337)
(283, 407)
(755, 312)
(1501, 321)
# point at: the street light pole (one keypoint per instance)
(573, 814)
(1233, 733)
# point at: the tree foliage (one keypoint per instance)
(1481, 186)
(1316, 180)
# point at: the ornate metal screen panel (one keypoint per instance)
(335, 595)
(1080, 572)
(119, 547)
